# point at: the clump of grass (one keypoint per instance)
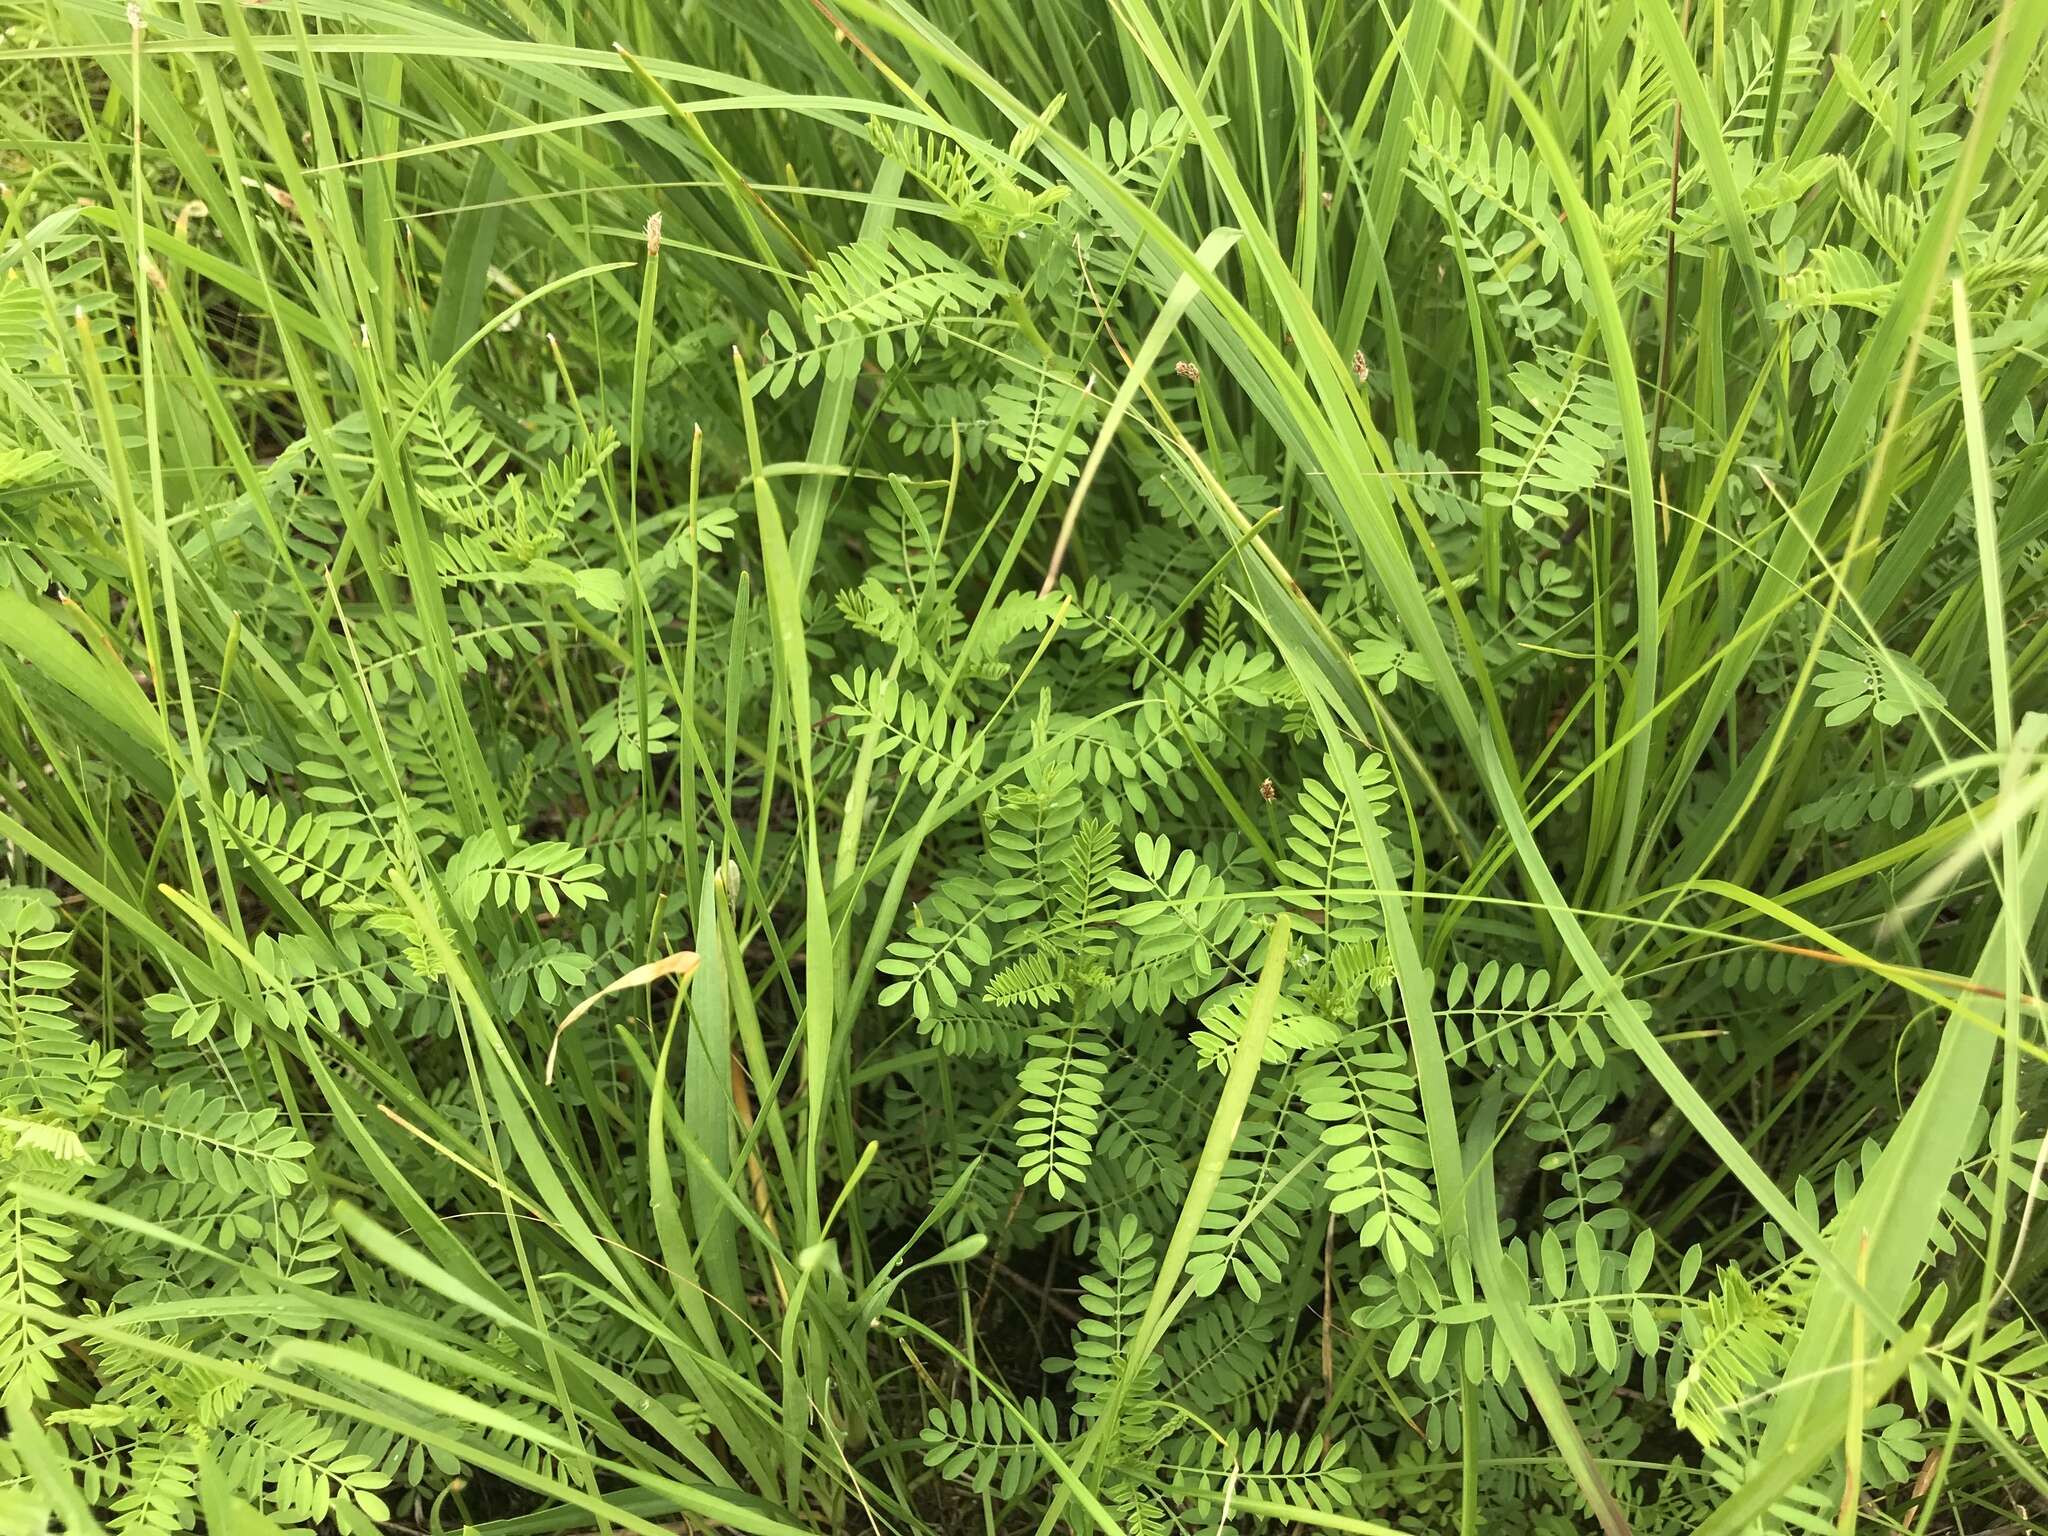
(1120, 768)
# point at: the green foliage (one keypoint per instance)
(986, 1445)
(1496, 202)
(1061, 1088)
(1282, 1469)
(1365, 1102)
(664, 672)
(865, 297)
(1735, 1344)
(1555, 450)
(1112, 1300)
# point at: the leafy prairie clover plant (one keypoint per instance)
(1134, 769)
